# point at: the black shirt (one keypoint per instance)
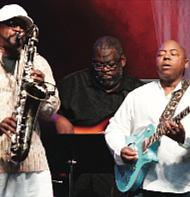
(9, 64)
(84, 103)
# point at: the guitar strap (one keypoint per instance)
(172, 105)
(167, 114)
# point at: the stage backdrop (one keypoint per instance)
(69, 28)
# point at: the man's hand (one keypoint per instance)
(37, 75)
(8, 126)
(129, 155)
(174, 131)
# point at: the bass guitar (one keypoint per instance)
(97, 129)
(130, 177)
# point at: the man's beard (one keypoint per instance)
(14, 44)
(111, 83)
(15, 41)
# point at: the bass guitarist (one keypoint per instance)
(90, 96)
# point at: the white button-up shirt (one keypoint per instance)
(142, 107)
(36, 160)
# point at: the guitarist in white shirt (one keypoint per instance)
(170, 176)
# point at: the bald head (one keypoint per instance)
(173, 44)
(171, 61)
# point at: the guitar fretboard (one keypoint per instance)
(159, 131)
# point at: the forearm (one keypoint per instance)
(115, 140)
(186, 125)
(49, 107)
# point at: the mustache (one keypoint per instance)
(105, 74)
(19, 35)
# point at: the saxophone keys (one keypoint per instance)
(14, 138)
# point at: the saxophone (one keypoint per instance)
(29, 95)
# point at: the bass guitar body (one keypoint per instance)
(130, 177)
(97, 129)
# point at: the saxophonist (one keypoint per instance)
(32, 176)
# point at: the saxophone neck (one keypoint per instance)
(30, 48)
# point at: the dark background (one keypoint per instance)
(69, 28)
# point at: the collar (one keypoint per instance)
(179, 86)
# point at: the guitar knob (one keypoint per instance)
(132, 168)
(127, 179)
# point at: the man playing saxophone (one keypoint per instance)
(30, 177)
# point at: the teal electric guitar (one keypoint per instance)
(130, 177)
